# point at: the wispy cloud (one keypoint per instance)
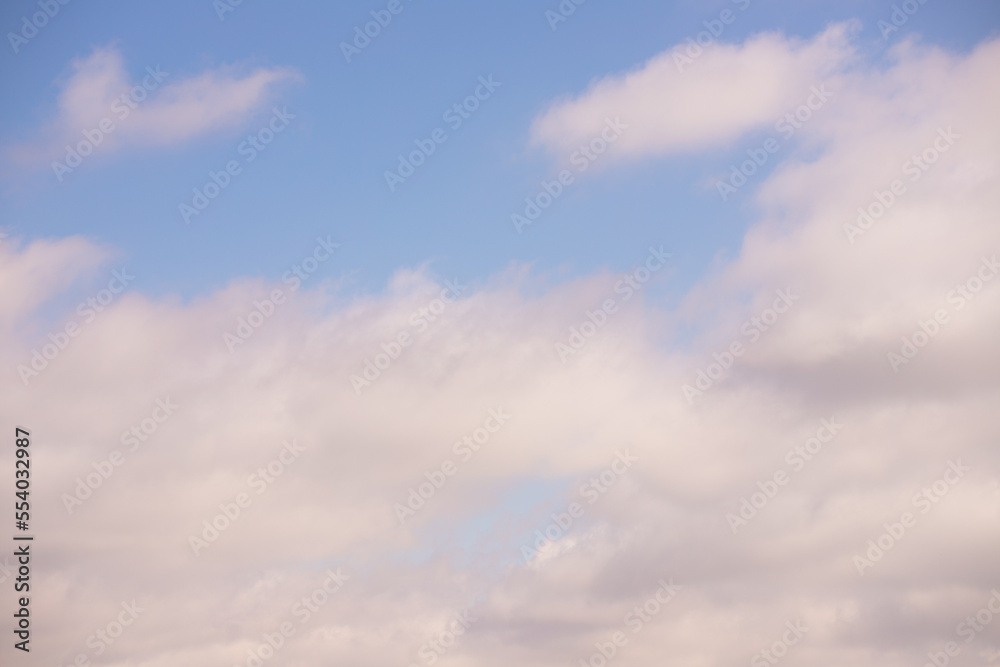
(101, 104)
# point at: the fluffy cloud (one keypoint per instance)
(665, 516)
(155, 108)
(672, 107)
(35, 274)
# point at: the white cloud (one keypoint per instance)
(34, 274)
(727, 91)
(155, 107)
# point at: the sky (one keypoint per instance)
(565, 320)
(353, 120)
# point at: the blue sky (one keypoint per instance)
(324, 175)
